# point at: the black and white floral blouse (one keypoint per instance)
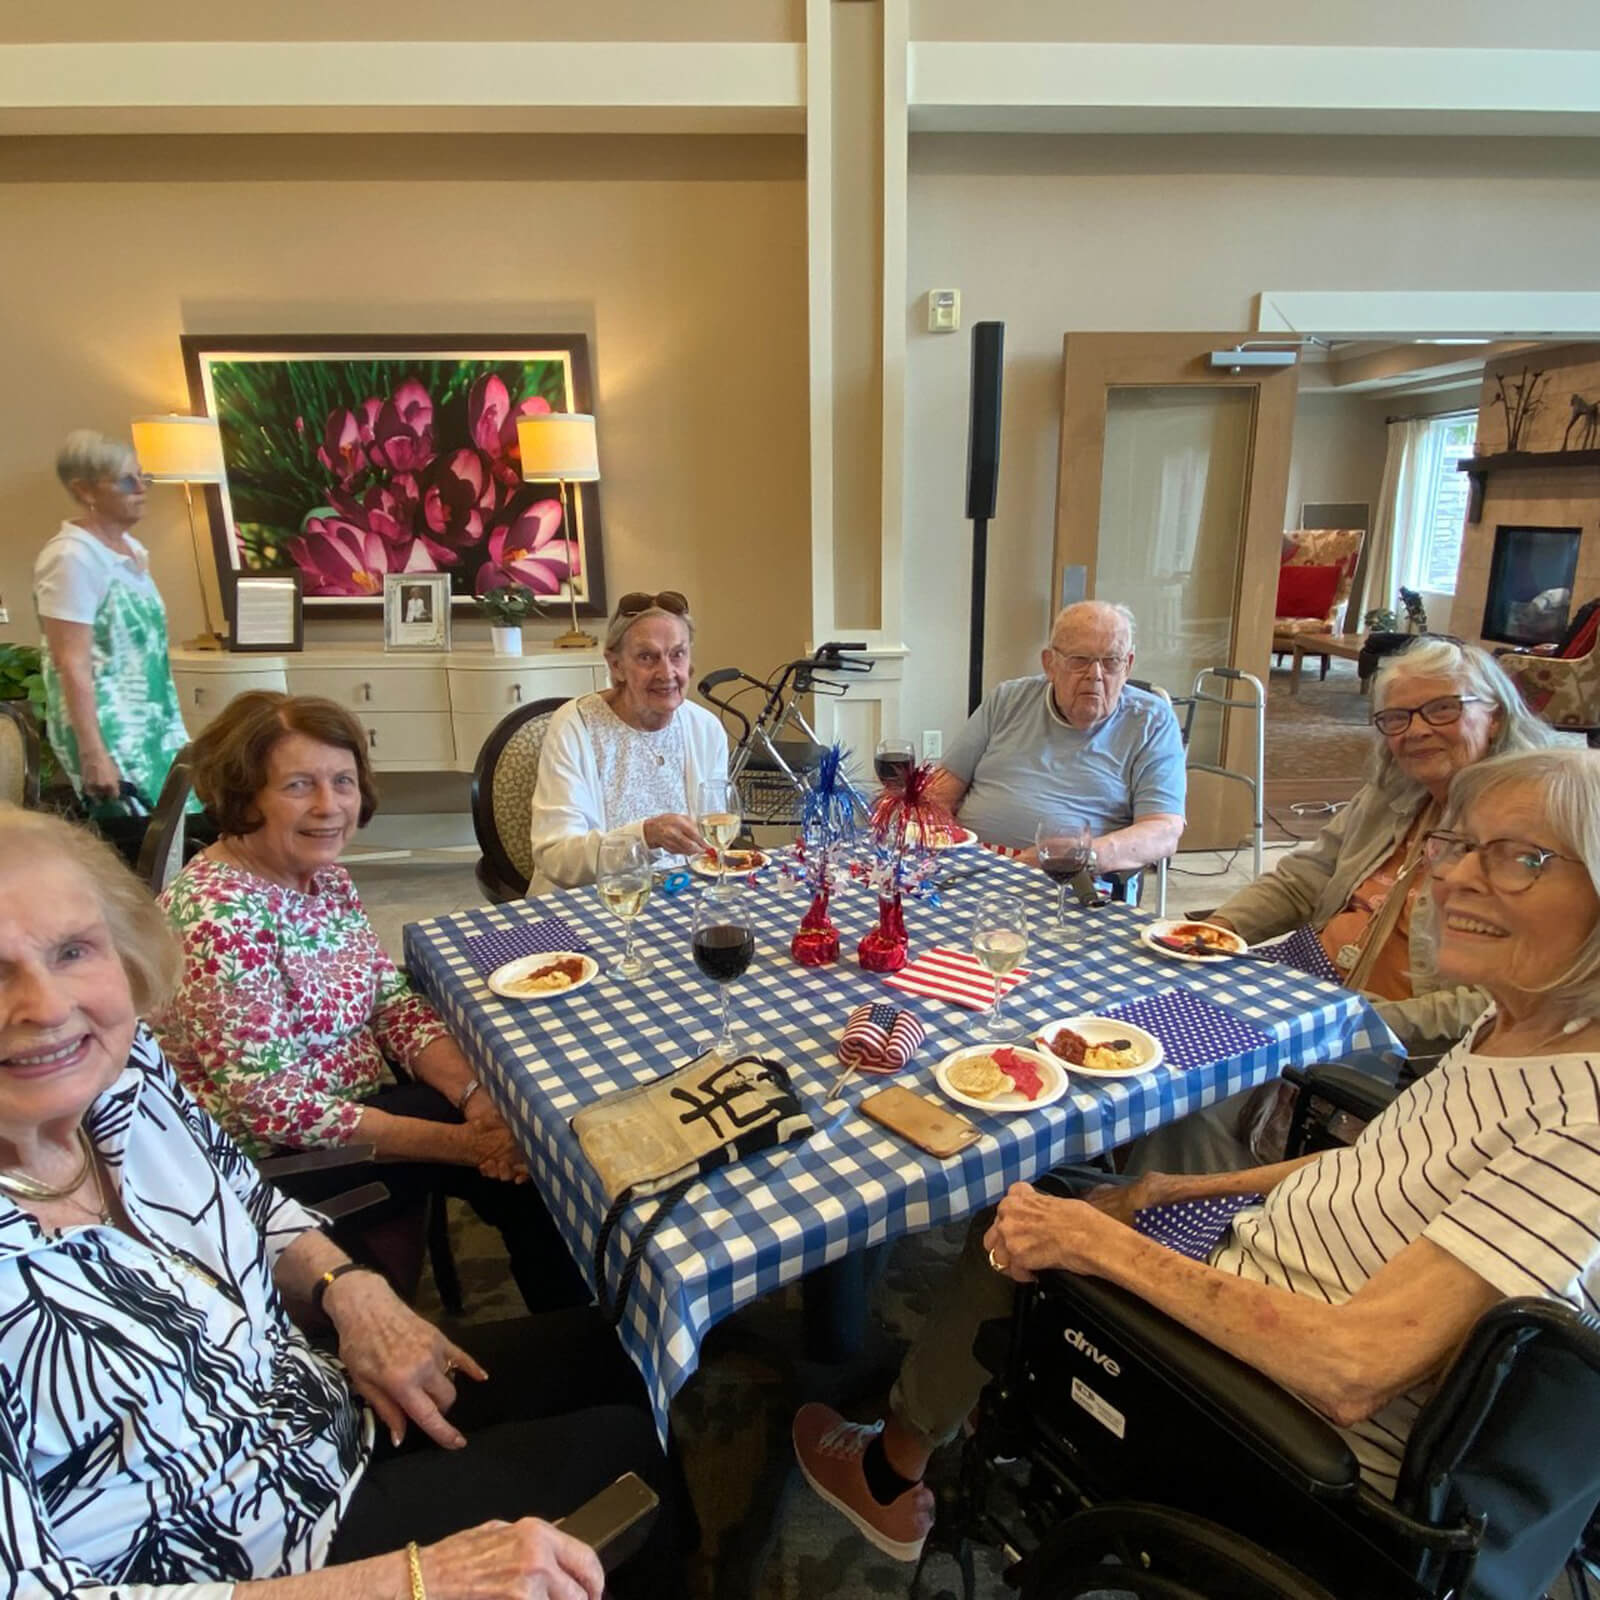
(163, 1426)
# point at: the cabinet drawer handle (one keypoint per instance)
(372, 738)
(366, 692)
(516, 693)
(199, 694)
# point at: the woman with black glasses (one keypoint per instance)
(111, 708)
(631, 757)
(1441, 706)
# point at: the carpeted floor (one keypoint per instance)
(1323, 731)
(765, 1536)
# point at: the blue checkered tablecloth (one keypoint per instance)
(766, 1221)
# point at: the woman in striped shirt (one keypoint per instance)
(1361, 1272)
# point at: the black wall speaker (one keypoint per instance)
(983, 436)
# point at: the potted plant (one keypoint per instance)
(1380, 619)
(507, 608)
(22, 678)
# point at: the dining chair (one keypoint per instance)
(19, 755)
(502, 798)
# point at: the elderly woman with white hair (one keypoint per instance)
(111, 707)
(1439, 707)
(631, 757)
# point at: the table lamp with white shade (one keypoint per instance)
(560, 447)
(186, 450)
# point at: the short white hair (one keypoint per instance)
(1567, 782)
(1473, 671)
(87, 457)
(1100, 610)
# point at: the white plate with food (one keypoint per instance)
(1100, 1047)
(978, 1077)
(736, 862)
(957, 838)
(552, 975)
(1186, 939)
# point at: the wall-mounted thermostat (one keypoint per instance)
(944, 310)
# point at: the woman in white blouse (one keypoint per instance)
(166, 1432)
(630, 757)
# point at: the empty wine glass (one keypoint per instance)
(724, 945)
(623, 878)
(1064, 846)
(999, 941)
(719, 814)
(892, 760)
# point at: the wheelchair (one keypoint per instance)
(1118, 1456)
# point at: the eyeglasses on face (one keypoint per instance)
(630, 605)
(1438, 713)
(1511, 865)
(129, 483)
(1109, 665)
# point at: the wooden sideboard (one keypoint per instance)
(421, 712)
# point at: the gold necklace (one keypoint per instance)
(21, 1187)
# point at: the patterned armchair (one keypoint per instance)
(502, 798)
(1563, 689)
(1321, 547)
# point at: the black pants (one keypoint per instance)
(540, 1261)
(562, 1414)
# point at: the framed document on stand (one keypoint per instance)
(268, 613)
(416, 611)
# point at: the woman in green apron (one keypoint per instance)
(111, 708)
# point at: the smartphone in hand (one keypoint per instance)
(614, 1522)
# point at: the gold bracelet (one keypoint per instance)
(414, 1562)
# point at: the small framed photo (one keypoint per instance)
(416, 611)
(269, 613)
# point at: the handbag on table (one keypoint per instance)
(658, 1138)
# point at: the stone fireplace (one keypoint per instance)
(1533, 528)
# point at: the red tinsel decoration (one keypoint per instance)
(817, 942)
(905, 822)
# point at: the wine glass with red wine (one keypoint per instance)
(724, 945)
(892, 760)
(1064, 846)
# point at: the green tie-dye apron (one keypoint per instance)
(135, 699)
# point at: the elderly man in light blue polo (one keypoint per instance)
(1076, 741)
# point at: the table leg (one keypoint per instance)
(1322, 677)
(834, 1306)
(1294, 671)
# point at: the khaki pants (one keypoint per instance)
(939, 1380)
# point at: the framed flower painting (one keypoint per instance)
(351, 459)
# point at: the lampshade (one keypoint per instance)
(177, 449)
(559, 445)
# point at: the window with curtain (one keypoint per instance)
(1430, 536)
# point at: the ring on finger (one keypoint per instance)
(451, 1368)
(996, 1263)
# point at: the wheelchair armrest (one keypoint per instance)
(1347, 1088)
(319, 1160)
(1269, 1420)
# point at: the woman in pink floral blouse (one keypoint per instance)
(289, 1014)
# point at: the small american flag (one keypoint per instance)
(953, 975)
(880, 1038)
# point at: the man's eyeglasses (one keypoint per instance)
(1511, 865)
(631, 605)
(1109, 665)
(1438, 713)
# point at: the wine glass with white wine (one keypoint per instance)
(623, 878)
(999, 941)
(719, 814)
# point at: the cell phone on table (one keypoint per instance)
(614, 1522)
(926, 1124)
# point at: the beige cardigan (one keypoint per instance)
(1314, 884)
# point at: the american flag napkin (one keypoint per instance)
(956, 976)
(880, 1038)
(490, 951)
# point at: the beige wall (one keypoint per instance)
(1052, 234)
(683, 259)
(1339, 443)
(85, 21)
(1553, 25)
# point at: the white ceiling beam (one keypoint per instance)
(1166, 88)
(1429, 314)
(372, 85)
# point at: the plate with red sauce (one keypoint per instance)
(551, 975)
(1034, 1079)
(1075, 1041)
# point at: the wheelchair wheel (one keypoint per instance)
(1128, 1551)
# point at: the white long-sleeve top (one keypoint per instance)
(572, 810)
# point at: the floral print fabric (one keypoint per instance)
(287, 1007)
(165, 1431)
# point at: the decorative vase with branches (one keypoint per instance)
(1521, 400)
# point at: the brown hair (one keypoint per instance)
(140, 934)
(230, 758)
